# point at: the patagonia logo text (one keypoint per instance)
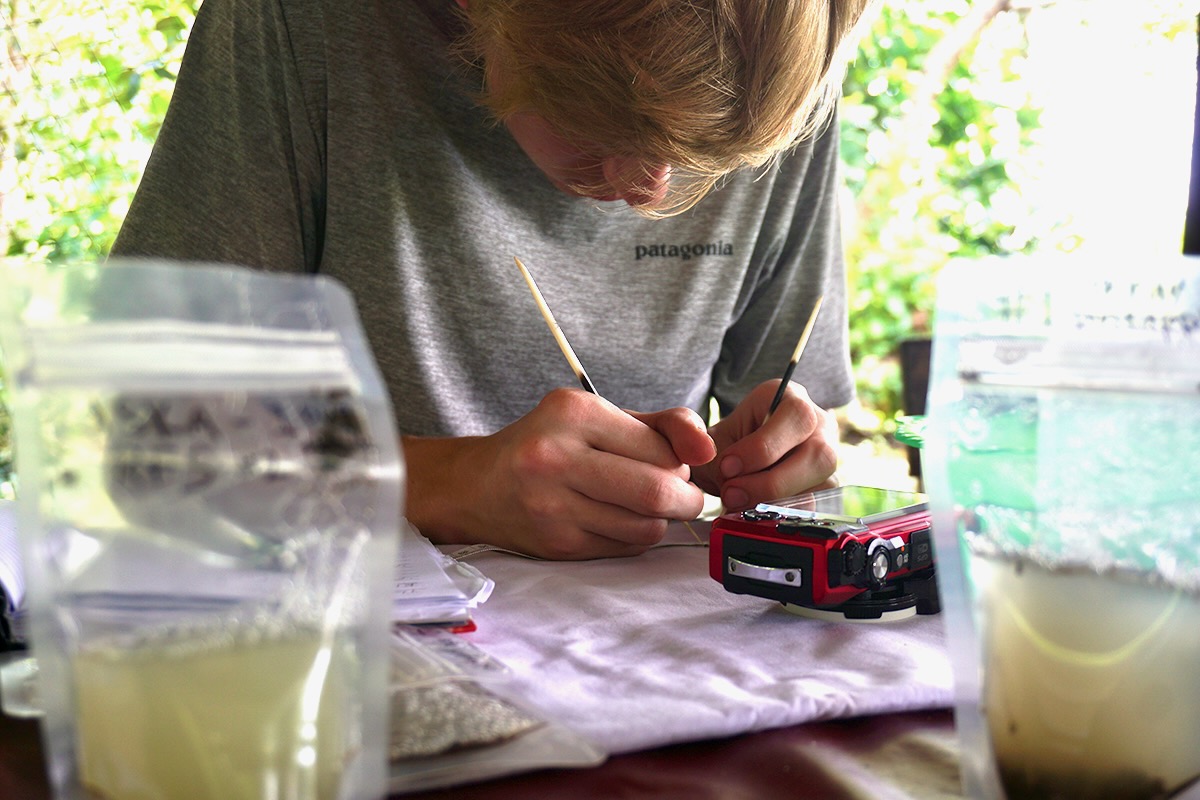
(682, 251)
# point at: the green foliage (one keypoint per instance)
(86, 88)
(930, 174)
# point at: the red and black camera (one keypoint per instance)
(854, 552)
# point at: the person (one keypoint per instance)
(666, 170)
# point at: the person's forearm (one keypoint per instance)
(437, 495)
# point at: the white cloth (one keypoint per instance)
(641, 652)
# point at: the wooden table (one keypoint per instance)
(913, 755)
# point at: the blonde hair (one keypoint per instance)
(704, 86)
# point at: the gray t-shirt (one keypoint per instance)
(343, 138)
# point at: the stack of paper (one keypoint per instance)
(431, 587)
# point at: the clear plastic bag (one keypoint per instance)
(210, 489)
(1062, 458)
(455, 721)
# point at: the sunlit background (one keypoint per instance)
(969, 129)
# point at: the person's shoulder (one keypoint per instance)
(331, 16)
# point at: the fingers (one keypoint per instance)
(603, 426)
(643, 489)
(793, 451)
(685, 431)
(796, 420)
(620, 462)
(810, 466)
(584, 528)
(579, 478)
(602, 509)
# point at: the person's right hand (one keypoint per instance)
(575, 478)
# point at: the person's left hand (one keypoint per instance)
(763, 457)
